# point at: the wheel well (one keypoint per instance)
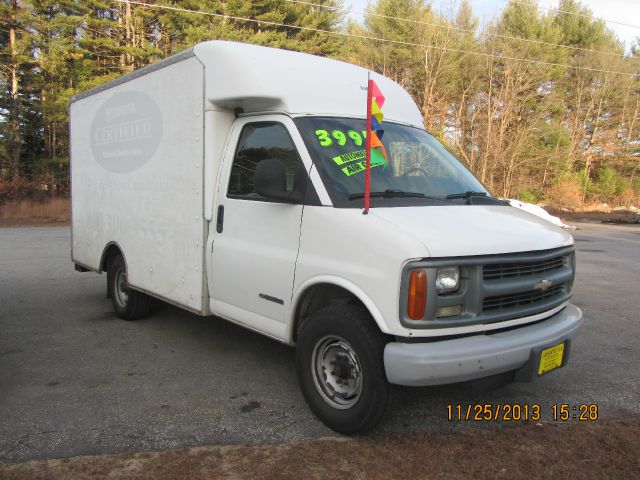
(111, 250)
(320, 296)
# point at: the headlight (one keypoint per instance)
(448, 279)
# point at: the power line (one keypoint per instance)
(367, 37)
(574, 13)
(459, 29)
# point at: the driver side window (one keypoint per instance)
(261, 141)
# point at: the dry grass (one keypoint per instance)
(604, 449)
(565, 194)
(56, 211)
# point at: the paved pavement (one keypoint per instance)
(74, 379)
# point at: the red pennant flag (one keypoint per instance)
(376, 94)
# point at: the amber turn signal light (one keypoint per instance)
(417, 295)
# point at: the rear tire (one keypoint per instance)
(340, 368)
(128, 304)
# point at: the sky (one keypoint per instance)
(624, 11)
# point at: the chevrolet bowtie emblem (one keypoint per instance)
(543, 285)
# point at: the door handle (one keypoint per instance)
(220, 219)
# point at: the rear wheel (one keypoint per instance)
(340, 368)
(128, 304)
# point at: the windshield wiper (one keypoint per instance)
(389, 194)
(466, 195)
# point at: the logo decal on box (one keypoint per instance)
(126, 131)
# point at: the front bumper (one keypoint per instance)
(477, 356)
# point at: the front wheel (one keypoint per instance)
(128, 304)
(340, 368)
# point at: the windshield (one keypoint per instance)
(420, 171)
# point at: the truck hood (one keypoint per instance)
(464, 230)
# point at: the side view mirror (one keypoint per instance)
(270, 181)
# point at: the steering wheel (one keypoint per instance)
(422, 172)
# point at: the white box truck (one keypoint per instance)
(228, 180)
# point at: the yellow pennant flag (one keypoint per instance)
(375, 110)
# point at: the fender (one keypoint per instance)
(339, 282)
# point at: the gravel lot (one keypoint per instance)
(76, 380)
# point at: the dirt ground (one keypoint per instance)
(28, 213)
(603, 449)
(34, 222)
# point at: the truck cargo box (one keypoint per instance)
(138, 179)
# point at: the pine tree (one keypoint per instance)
(16, 57)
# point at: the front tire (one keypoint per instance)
(128, 304)
(340, 368)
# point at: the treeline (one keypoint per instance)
(540, 105)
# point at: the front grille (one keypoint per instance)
(495, 288)
(515, 300)
(513, 270)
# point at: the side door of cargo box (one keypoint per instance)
(255, 239)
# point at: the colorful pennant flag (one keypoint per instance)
(375, 110)
(375, 152)
(376, 94)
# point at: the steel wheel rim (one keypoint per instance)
(121, 287)
(336, 372)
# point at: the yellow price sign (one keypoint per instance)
(551, 358)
